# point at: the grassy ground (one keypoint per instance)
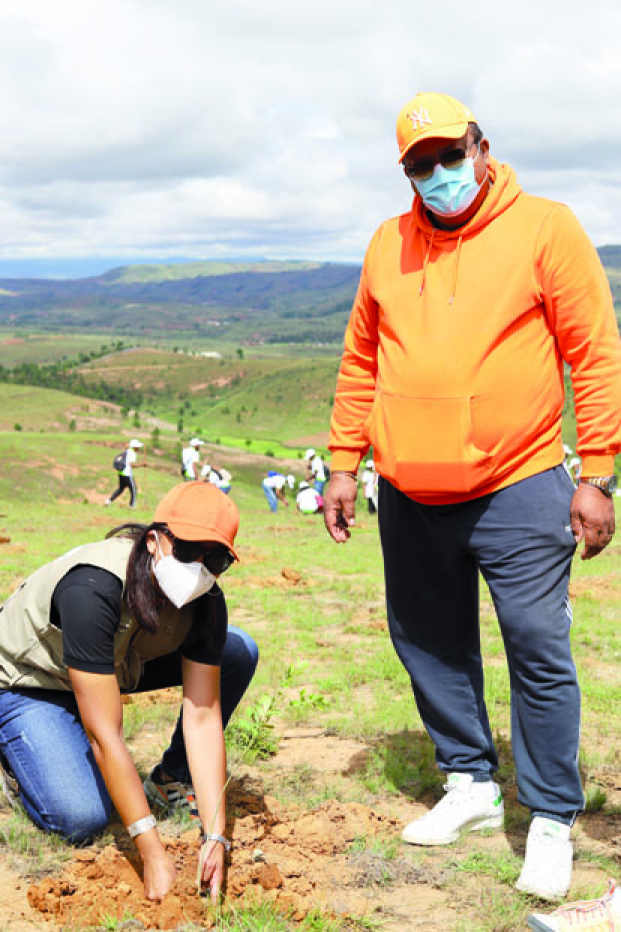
(327, 664)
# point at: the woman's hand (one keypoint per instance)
(211, 868)
(159, 874)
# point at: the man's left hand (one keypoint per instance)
(592, 518)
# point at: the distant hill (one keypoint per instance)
(258, 301)
(253, 302)
(610, 256)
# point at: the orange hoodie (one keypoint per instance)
(453, 360)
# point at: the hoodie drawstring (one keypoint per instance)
(455, 267)
(455, 270)
(426, 263)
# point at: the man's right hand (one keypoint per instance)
(339, 510)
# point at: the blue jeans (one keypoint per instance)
(270, 495)
(319, 484)
(519, 538)
(45, 745)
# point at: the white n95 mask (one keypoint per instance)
(181, 582)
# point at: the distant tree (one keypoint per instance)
(136, 419)
(155, 437)
(240, 353)
(17, 426)
(180, 426)
(72, 425)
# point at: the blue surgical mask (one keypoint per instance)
(449, 192)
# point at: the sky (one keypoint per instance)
(266, 129)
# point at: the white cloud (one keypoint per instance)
(232, 127)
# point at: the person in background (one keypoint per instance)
(469, 306)
(274, 486)
(138, 611)
(190, 459)
(217, 475)
(225, 481)
(315, 469)
(308, 500)
(369, 485)
(126, 475)
(573, 467)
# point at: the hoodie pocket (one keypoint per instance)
(426, 444)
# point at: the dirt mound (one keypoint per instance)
(296, 861)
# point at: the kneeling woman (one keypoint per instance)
(138, 611)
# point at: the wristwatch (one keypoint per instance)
(606, 484)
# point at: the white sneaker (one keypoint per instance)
(603, 915)
(467, 807)
(547, 866)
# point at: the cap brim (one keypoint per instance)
(454, 131)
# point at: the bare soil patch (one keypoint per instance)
(602, 588)
(296, 860)
(335, 857)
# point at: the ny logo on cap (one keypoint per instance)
(419, 118)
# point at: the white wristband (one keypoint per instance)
(141, 825)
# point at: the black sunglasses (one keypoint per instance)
(423, 168)
(215, 557)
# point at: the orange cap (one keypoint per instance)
(431, 116)
(199, 511)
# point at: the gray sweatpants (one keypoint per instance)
(520, 540)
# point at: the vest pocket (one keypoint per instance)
(129, 672)
(426, 445)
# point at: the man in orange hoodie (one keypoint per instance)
(469, 306)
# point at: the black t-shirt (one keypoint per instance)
(86, 606)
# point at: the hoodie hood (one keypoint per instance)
(503, 192)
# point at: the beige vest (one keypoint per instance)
(31, 648)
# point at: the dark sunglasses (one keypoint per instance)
(215, 557)
(423, 169)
